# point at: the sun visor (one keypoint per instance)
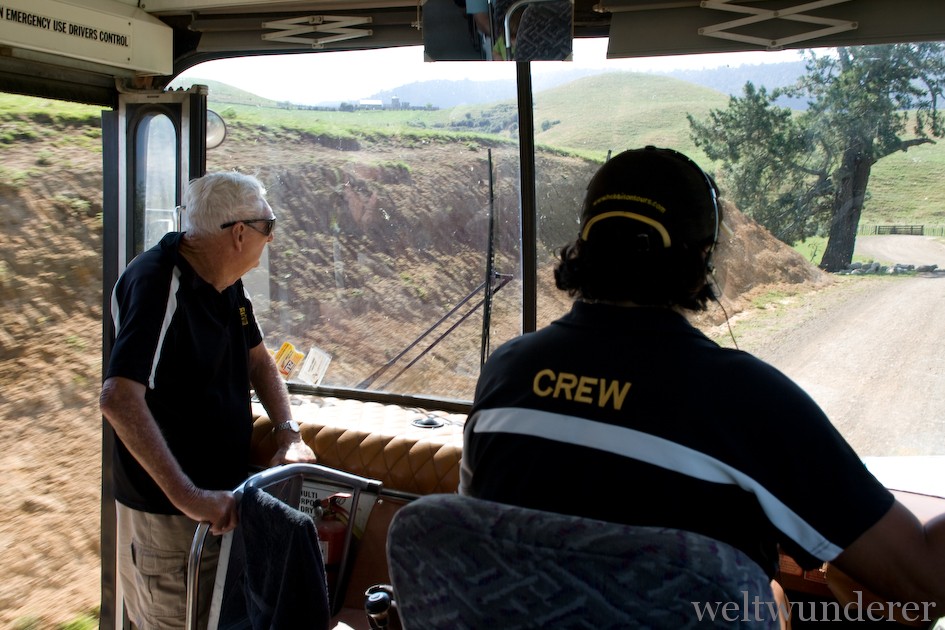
(97, 31)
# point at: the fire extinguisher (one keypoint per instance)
(332, 525)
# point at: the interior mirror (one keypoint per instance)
(497, 30)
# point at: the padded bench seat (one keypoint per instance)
(373, 440)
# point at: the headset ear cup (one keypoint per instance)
(713, 286)
(689, 270)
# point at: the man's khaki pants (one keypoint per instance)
(152, 568)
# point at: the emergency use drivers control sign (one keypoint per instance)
(82, 32)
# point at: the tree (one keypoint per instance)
(760, 145)
(799, 173)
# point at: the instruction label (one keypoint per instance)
(93, 34)
(71, 29)
(309, 499)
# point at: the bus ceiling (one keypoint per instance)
(89, 50)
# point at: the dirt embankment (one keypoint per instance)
(50, 367)
(50, 338)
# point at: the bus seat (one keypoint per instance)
(292, 495)
(376, 441)
(459, 562)
(544, 31)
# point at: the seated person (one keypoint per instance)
(481, 16)
(622, 411)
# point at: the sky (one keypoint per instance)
(345, 76)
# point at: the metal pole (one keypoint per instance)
(490, 271)
(526, 138)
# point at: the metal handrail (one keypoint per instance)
(263, 480)
(193, 573)
(508, 16)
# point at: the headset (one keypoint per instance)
(713, 192)
(711, 188)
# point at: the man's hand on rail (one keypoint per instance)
(217, 507)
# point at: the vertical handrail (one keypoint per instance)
(193, 574)
(490, 271)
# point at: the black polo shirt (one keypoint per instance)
(189, 345)
(633, 415)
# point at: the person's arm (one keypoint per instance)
(123, 405)
(272, 393)
(901, 559)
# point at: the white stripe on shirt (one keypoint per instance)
(166, 324)
(657, 451)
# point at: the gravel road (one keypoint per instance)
(908, 250)
(869, 350)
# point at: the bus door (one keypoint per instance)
(152, 145)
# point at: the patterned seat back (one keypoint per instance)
(458, 562)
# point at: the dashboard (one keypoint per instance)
(916, 482)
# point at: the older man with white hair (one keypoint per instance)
(187, 352)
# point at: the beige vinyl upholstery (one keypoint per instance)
(380, 442)
(375, 441)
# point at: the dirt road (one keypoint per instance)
(904, 249)
(869, 350)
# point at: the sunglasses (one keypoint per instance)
(268, 225)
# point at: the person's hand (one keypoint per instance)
(294, 452)
(849, 592)
(216, 507)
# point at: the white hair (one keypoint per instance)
(218, 198)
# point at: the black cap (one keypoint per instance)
(652, 192)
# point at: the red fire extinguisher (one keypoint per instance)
(332, 524)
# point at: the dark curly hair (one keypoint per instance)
(610, 270)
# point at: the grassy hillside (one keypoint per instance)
(224, 93)
(908, 187)
(588, 116)
(623, 110)
(629, 109)
(612, 111)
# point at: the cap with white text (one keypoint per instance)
(657, 197)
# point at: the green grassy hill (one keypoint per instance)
(613, 111)
(618, 111)
(908, 187)
(589, 116)
(220, 93)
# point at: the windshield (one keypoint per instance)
(397, 257)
